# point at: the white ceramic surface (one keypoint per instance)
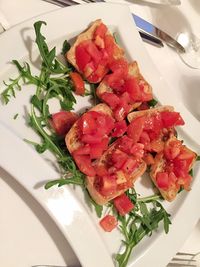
(121, 22)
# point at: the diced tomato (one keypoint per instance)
(120, 113)
(101, 170)
(118, 158)
(119, 128)
(89, 71)
(96, 150)
(100, 30)
(172, 149)
(91, 138)
(181, 167)
(129, 166)
(171, 119)
(115, 81)
(83, 150)
(108, 223)
(62, 121)
(93, 51)
(146, 94)
(84, 164)
(123, 204)
(111, 99)
(162, 180)
(119, 67)
(78, 83)
(145, 139)
(135, 128)
(87, 123)
(137, 150)
(107, 185)
(143, 106)
(82, 57)
(121, 178)
(99, 42)
(101, 70)
(132, 87)
(109, 46)
(125, 143)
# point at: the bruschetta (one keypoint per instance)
(93, 50)
(116, 171)
(124, 89)
(170, 171)
(89, 136)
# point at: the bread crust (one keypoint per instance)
(100, 199)
(149, 112)
(159, 166)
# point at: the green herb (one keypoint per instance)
(198, 158)
(152, 103)
(66, 47)
(140, 222)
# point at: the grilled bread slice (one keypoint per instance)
(162, 164)
(92, 186)
(88, 35)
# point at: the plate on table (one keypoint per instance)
(66, 205)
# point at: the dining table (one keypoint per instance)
(28, 235)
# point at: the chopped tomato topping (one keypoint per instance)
(118, 158)
(129, 166)
(123, 204)
(97, 149)
(171, 119)
(135, 128)
(125, 143)
(162, 180)
(101, 170)
(100, 30)
(82, 57)
(132, 87)
(106, 185)
(62, 121)
(111, 99)
(83, 150)
(87, 123)
(78, 83)
(119, 128)
(172, 149)
(137, 150)
(84, 164)
(108, 223)
(149, 159)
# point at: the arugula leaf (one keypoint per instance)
(78, 180)
(152, 103)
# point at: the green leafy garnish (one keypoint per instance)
(140, 222)
(152, 103)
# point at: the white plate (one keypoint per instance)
(78, 224)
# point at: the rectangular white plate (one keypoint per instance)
(79, 225)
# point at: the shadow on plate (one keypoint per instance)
(53, 231)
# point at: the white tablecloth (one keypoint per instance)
(18, 224)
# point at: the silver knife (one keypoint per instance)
(148, 28)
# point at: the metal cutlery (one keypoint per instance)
(183, 259)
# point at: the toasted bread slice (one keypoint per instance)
(148, 112)
(160, 164)
(72, 139)
(88, 35)
(133, 71)
(90, 181)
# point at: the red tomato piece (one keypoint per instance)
(101, 170)
(171, 119)
(83, 150)
(120, 113)
(125, 143)
(119, 128)
(137, 150)
(135, 128)
(78, 83)
(100, 30)
(157, 145)
(123, 204)
(149, 159)
(130, 165)
(91, 138)
(132, 87)
(118, 158)
(87, 123)
(108, 223)
(62, 121)
(82, 57)
(115, 81)
(96, 150)
(120, 67)
(93, 51)
(84, 164)
(162, 180)
(107, 185)
(111, 99)
(172, 149)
